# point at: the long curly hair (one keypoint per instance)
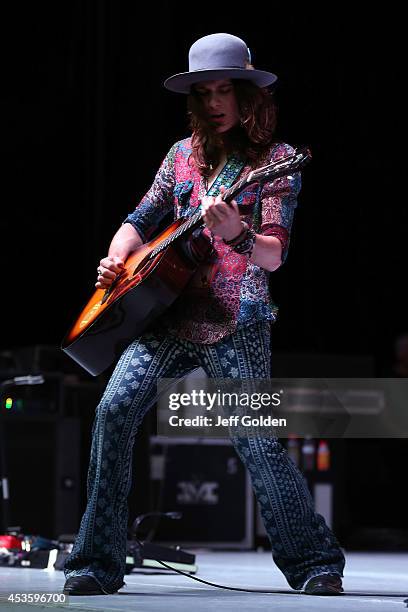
(251, 138)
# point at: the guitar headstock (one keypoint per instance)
(283, 166)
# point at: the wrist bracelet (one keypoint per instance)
(241, 236)
(246, 246)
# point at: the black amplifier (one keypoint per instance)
(205, 480)
(31, 400)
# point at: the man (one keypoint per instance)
(222, 323)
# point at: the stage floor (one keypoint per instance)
(372, 581)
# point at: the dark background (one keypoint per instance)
(86, 122)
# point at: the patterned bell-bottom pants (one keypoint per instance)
(302, 544)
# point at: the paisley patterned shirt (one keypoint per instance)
(227, 290)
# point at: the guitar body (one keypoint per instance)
(143, 291)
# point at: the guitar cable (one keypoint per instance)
(274, 592)
(177, 515)
(214, 584)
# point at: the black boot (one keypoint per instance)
(324, 584)
(82, 585)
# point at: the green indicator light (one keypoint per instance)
(9, 403)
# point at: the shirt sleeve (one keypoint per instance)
(158, 201)
(279, 200)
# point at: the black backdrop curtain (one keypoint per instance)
(87, 122)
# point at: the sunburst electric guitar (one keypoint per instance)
(153, 276)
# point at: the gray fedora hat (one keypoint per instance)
(218, 56)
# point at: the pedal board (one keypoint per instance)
(147, 557)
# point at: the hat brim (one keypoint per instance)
(181, 83)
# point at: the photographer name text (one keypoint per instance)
(231, 421)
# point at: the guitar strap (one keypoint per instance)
(228, 174)
(227, 177)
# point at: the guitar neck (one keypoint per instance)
(195, 220)
(281, 167)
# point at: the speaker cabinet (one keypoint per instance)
(205, 480)
(43, 469)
